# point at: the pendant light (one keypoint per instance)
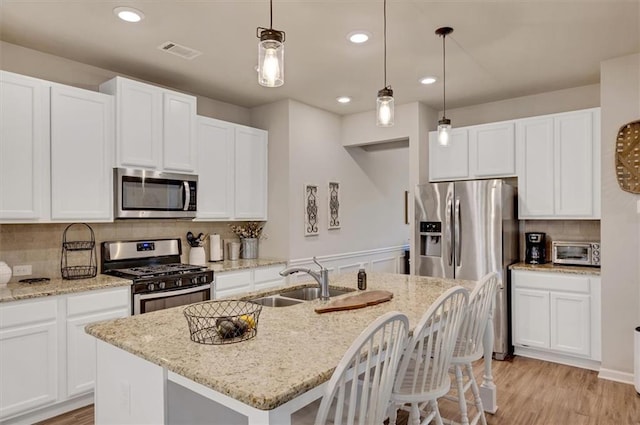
(270, 54)
(384, 103)
(444, 125)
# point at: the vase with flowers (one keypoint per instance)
(249, 234)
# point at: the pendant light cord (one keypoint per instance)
(270, 14)
(384, 14)
(444, 78)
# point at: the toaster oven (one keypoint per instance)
(576, 253)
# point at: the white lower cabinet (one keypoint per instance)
(28, 356)
(240, 282)
(47, 361)
(556, 316)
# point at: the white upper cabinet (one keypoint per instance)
(24, 147)
(476, 152)
(492, 150)
(55, 152)
(251, 173)
(155, 127)
(81, 154)
(232, 171)
(216, 150)
(559, 166)
(449, 162)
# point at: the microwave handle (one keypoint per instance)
(187, 195)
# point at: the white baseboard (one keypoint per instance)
(616, 375)
(48, 412)
(557, 358)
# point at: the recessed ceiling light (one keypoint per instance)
(128, 14)
(358, 37)
(427, 80)
(343, 99)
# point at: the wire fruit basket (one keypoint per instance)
(222, 322)
(81, 251)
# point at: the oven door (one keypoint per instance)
(572, 254)
(152, 301)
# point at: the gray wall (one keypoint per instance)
(620, 94)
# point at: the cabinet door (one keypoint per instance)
(215, 168)
(233, 283)
(81, 154)
(268, 277)
(250, 173)
(81, 351)
(28, 356)
(570, 323)
(179, 138)
(449, 162)
(138, 124)
(531, 318)
(574, 142)
(24, 147)
(535, 159)
(492, 150)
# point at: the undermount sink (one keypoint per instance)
(275, 301)
(312, 293)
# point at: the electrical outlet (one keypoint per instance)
(24, 270)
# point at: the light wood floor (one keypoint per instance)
(530, 392)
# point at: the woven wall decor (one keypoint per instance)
(628, 157)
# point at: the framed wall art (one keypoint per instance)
(333, 203)
(311, 227)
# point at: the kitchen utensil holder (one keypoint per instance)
(84, 271)
(205, 320)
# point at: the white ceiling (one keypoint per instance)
(500, 49)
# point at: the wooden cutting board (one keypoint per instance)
(353, 302)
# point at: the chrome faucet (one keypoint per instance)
(321, 276)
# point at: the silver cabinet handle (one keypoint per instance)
(449, 230)
(458, 234)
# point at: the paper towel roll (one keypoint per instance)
(215, 252)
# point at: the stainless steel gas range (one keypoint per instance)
(159, 279)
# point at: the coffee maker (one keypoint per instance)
(536, 251)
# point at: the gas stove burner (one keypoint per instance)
(160, 270)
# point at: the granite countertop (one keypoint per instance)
(295, 349)
(18, 291)
(227, 265)
(58, 286)
(556, 268)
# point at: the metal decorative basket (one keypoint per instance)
(222, 322)
(81, 252)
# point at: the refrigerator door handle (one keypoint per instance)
(458, 233)
(449, 230)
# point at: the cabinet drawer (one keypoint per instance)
(98, 301)
(28, 312)
(233, 280)
(264, 274)
(552, 282)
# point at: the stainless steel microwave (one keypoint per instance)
(153, 194)
(576, 253)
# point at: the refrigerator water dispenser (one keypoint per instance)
(431, 238)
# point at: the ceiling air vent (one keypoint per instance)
(179, 50)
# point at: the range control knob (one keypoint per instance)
(162, 285)
(194, 279)
(178, 282)
(151, 286)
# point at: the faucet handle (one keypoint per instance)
(318, 264)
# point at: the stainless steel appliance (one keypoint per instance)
(536, 248)
(152, 194)
(465, 230)
(159, 279)
(576, 253)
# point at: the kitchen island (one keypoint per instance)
(147, 366)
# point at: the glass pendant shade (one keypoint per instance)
(384, 108)
(271, 59)
(444, 132)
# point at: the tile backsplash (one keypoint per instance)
(40, 245)
(560, 230)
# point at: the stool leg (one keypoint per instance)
(438, 418)
(414, 415)
(462, 402)
(393, 414)
(476, 394)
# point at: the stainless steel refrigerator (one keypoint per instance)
(466, 229)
